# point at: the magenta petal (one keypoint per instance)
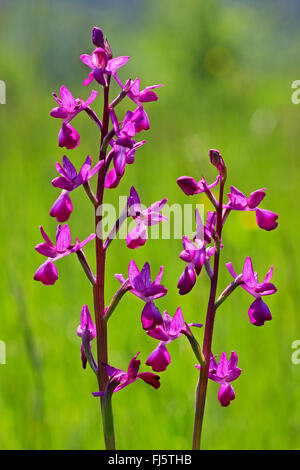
(59, 113)
(89, 80)
(134, 276)
(63, 238)
(87, 60)
(255, 198)
(63, 183)
(46, 273)
(237, 198)
(186, 281)
(155, 291)
(133, 367)
(62, 208)
(46, 250)
(158, 333)
(177, 323)
(147, 96)
(67, 99)
(134, 202)
(112, 180)
(99, 76)
(266, 219)
(116, 63)
(266, 288)
(188, 185)
(137, 237)
(150, 378)
(85, 169)
(226, 394)
(68, 137)
(69, 168)
(248, 273)
(151, 316)
(259, 312)
(159, 359)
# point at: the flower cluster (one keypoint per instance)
(207, 243)
(118, 145)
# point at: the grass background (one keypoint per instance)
(227, 68)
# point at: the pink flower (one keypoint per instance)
(224, 373)
(47, 272)
(121, 379)
(168, 331)
(258, 312)
(68, 108)
(101, 65)
(143, 287)
(266, 219)
(137, 237)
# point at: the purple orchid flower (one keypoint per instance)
(151, 216)
(224, 373)
(168, 331)
(136, 95)
(86, 331)
(258, 311)
(101, 65)
(148, 291)
(47, 272)
(122, 379)
(68, 181)
(68, 108)
(124, 146)
(122, 156)
(190, 186)
(145, 96)
(195, 253)
(265, 219)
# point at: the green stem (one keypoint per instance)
(108, 418)
(229, 289)
(116, 299)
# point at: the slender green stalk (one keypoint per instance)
(116, 299)
(229, 289)
(108, 418)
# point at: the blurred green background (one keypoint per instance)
(227, 68)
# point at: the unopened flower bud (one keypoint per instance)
(217, 160)
(97, 37)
